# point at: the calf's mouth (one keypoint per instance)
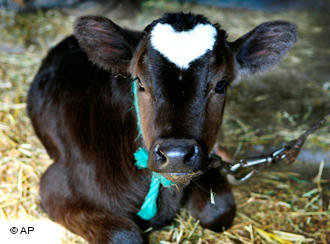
(182, 177)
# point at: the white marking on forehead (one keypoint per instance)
(181, 48)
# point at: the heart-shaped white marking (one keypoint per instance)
(181, 48)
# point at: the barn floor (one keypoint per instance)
(281, 205)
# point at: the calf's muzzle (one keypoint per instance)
(177, 157)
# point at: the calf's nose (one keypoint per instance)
(175, 156)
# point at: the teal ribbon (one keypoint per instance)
(136, 106)
(148, 209)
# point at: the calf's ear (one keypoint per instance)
(264, 46)
(105, 43)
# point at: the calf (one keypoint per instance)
(90, 120)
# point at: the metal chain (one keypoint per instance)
(237, 173)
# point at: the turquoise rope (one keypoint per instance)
(148, 209)
(136, 106)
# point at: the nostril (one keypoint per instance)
(193, 151)
(159, 155)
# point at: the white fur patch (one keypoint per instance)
(181, 48)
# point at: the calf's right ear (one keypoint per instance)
(105, 43)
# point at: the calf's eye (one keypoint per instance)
(141, 87)
(221, 86)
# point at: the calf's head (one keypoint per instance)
(183, 65)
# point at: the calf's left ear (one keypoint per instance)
(105, 43)
(263, 47)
